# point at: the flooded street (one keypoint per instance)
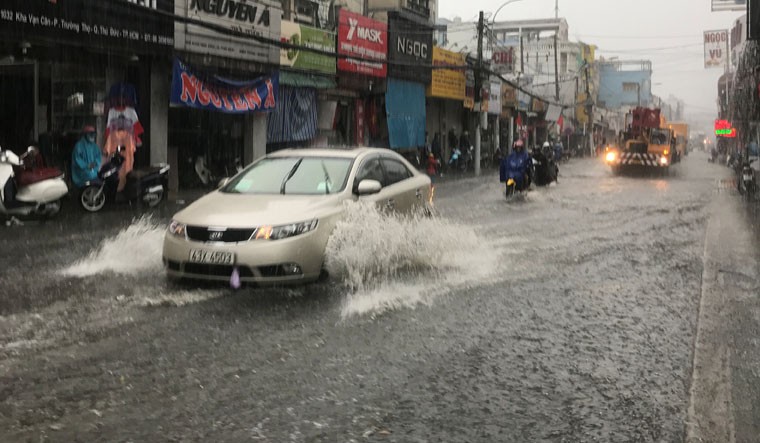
(570, 315)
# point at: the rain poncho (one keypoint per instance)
(85, 153)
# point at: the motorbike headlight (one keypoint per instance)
(611, 156)
(177, 228)
(284, 231)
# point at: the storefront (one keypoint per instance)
(410, 57)
(209, 142)
(446, 94)
(356, 107)
(64, 65)
(296, 122)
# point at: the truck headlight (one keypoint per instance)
(177, 228)
(284, 231)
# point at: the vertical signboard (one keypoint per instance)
(716, 49)
(410, 50)
(494, 97)
(255, 17)
(753, 20)
(365, 39)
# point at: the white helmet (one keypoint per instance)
(547, 145)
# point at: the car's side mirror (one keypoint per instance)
(223, 182)
(368, 187)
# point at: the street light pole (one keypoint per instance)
(479, 93)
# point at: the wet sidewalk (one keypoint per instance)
(725, 391)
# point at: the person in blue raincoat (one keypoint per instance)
(516, 166)
(86, 158)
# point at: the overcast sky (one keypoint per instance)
(667, 32)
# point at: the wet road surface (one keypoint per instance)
(568, 316)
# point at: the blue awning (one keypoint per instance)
(405, 106)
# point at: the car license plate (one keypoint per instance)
(212, 257)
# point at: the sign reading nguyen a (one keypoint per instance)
(716, 49)
(447, 83)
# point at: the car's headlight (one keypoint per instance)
(284, 231)
(177, 228)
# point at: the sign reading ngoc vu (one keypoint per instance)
(260, 18)
(716, 49)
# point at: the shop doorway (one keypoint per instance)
(18, 96)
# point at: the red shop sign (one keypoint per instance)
(364, 38)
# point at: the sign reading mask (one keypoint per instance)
(261, 18)
(410, 50)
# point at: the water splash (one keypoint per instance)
(179, 298)
(136, 248)
(389, 262)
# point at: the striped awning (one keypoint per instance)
(295, 117)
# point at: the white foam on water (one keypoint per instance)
(180, 298)
(390, 261)
(135, 249)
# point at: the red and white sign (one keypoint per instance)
(365, 39)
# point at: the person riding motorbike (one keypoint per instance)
(86, 158)
(545, 172)
(516, 166)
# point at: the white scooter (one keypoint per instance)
(29, 190)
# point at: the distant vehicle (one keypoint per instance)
(271, 222)
(648, 143)
(681, 134)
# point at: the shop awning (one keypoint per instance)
(405, 106)
(304, 80)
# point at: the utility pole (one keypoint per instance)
(479, 93)
(556, 8)
(556, 69)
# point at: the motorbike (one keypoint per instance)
(461, 161)
(516, 171)
(145, 185)
(713, 156)
(26, 188)
(748, 182)
(545, 169)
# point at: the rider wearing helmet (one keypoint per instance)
(86, 158)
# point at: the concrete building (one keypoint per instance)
(625, 83)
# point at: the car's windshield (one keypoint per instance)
(660, 137)
(293, 175)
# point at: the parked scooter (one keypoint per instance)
(26, 189)
(147, 185)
